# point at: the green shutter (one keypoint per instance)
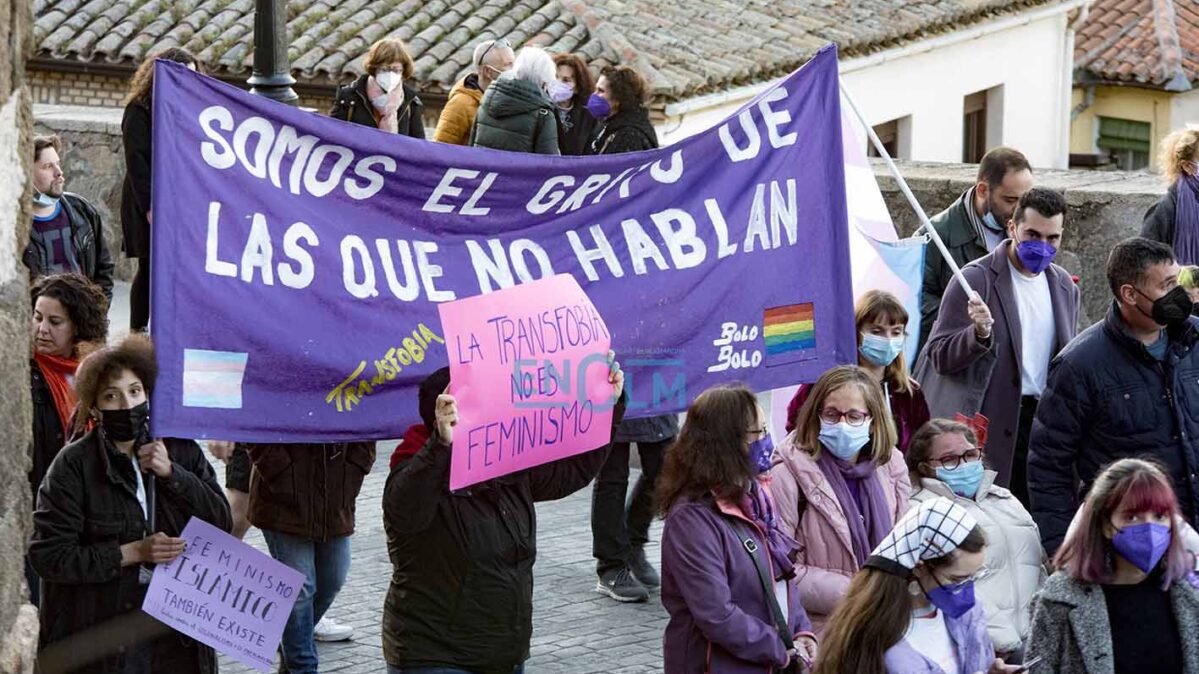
(1124, 134)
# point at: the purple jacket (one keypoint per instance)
(720, 619)
(969, 635)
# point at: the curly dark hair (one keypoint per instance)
(141, 85)
(626, 86)
(135, 353)
(84, 301)
(710, 453)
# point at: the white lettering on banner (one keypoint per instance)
(492, 271)
(212, 264)
(353, 247)
(687, 250)
(409, 289)
(722, 229)
(261, 149)
(430, 271)
(519, 264)
(447, 188)
(641, 247)
(289, 275)
(356, 261)
(602, 251)
(553, 191)
(671, 175)
(774, 120)
(591, 184)
(727, 357)
(757, 222)
(548, 196)
(257, 253)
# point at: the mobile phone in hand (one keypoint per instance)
(1029, 665)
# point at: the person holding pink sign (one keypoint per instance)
(461, 594)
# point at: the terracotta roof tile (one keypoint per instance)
(685, 47)
(1149, 43)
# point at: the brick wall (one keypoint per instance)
(64, 88)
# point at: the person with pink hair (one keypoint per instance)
(1124, 596)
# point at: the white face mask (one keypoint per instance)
(388, 80)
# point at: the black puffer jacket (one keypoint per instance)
(87, 236)
(1107, 398)
(626, 131)
(48, 434)
(352, 105)
(516, 115)
(461, 593)
(87, 509)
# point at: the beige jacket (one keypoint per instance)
(1015, 565)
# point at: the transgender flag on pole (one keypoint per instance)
(879, 259)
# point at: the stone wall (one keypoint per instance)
(18, 619)
(1105, 207)
(93, 163)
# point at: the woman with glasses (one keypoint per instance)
(728, 572)
(381, 97)
(946, 461)
(882, 324)
(911, 610)
(839, 483)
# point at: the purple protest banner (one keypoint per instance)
(224, 593)
(529, 370)
(299, 260)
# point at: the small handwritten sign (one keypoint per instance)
(224, 593)
(529, 370)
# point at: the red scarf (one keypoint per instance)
(414, 438)
(56, 370)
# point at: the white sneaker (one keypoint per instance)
(328, 630)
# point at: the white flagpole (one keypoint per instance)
(925, 225)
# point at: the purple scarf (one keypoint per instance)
(1186, 220)
(783, 549)
(861, 496)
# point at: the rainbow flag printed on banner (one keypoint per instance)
(790, 333)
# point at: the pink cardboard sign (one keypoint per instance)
(224, 593)
(528, 367)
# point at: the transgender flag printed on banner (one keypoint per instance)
(213, 378)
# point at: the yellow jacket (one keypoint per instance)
(458, 115)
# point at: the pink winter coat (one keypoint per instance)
(809, 511)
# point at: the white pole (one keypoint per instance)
(925, 225)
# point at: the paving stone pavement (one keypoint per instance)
(574, 628)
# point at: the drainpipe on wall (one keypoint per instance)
(1088, 99)
(1068, 83)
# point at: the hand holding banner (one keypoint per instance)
(224, 593)
(529, 371)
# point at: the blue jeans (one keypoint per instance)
(391, 669)
(324, 566)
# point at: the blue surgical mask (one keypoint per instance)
(964, 479)
(43, 200)
(954, 600)
(760, 453)
(991, 223)
(882, 351)
(842, 439)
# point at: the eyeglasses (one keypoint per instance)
(502, 43)
(758, 433)
(832, 415)
(952, 462)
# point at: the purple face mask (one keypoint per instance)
(760, 452)
(599, 107)
(1143, 544)
(955, 601)
(1035, 255)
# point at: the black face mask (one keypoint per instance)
(1171, 310)
(126, 425)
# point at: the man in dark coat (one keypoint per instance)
(973, 225)
(461, 593)
(992, 355)
(1127, 386)
(67, 234)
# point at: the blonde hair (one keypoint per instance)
(883, 437)
(1188, 277)
(883, 307)
(1178, 147)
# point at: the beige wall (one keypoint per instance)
(1138, 105)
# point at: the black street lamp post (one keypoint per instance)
(272, 69)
